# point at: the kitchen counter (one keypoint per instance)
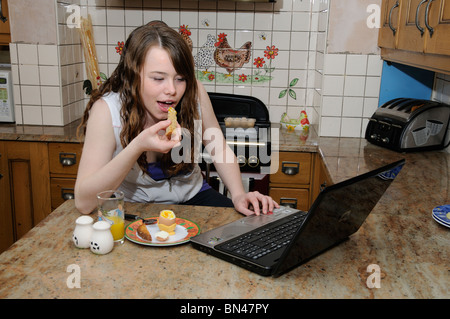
(399, 236)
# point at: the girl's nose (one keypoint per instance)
(170, 88)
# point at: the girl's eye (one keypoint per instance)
(181, 79)
(158, 79)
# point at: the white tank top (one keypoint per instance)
(138, 186)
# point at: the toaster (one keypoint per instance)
(406, 124)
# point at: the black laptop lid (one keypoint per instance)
(338, 212)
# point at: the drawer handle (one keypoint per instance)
(427, 14)
(67, 159)
(290, 168)
(394, 30)
(422, 30)
(288, 202)
(67, 193)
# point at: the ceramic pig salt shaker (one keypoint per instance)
(102, 241)
(83, 230)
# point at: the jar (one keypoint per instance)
(102, 241)
(83, 230)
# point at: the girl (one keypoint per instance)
(125, 146)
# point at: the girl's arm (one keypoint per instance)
(226, 164)
(98, 170)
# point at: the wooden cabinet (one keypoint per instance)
(291, 184)
(390, 18)
(35, 178)
(5, 33)
(322, 178)
(64, 159)
(416, 33)
(25, 188)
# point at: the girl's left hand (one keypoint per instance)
(254, 203)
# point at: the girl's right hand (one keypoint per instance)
(154, 138)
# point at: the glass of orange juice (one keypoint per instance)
(110, 209)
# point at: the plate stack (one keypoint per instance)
(441, 214)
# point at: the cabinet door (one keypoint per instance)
(293, 169)
(412, 30)
(293, 197)
(5, 33)
(62, 189)
(6, 222)
(438, 37)
(390, 17)
(64, 158)
(29, 182)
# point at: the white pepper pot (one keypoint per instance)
(83, 231)
(102, 241)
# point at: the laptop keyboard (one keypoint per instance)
(264, 240)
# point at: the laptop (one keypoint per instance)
(271, 245)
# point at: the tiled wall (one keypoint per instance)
(37, 91)
(290, 27)
(350, 91)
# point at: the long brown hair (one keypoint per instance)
(126, 81)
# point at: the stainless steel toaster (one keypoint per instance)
(406, 124)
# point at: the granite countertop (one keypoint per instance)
(400, 236)
(40, 133)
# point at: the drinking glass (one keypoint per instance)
(110, 209)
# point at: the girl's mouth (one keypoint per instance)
(164, 105)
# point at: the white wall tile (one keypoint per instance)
(115, 16)
(354, 85)
(353, 106)
(332, 106)
(32, 114)
(282, 21)
(370, 106)
(31, 95)
(374, 65)
(351, 127)
(263, 21)
(372, 86)
(356, 64)
(226, 20)
(27, 54)
(301, 21)
(29, 74)
(49, 75)
(333, 85)
(48, 54)
(115, 34)
(330, 126)
(52, 116)
(51, 95)
(334, 64)
(134, 17)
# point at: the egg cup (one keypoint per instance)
(170, 229)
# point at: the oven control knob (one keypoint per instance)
(373, 136)
(385, 140)
(241, 160)
(253, 161)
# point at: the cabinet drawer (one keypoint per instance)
(293, 168)
(61, 189)
(64, 157)
(293, 197)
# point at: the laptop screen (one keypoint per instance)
(338, 212)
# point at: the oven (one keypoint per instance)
(244, 121)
